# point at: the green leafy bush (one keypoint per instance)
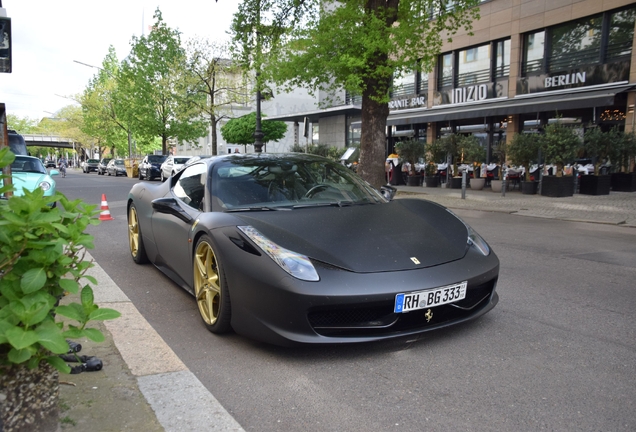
(42, 252)
(523, 149)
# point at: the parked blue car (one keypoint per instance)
(29, 173)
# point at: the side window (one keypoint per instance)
(190, 188)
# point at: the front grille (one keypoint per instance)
(379, 319)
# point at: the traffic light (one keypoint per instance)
(5, 44)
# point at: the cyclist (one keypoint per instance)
(62, 163)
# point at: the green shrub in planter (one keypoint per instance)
(523, 149)
(42, 253)
(560, 144)
(411, 151)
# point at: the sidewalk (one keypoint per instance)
(143, 385)
(617, 208)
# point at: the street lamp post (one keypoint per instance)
(258, 133)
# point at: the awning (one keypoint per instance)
(525, 104)
(315, 116)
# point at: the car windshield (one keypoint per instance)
(93, 161)
(27, 164)
(287, 182)
(181, 160)
(156, 158)
(119, 162)
(105, 161)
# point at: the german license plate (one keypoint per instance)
(430, 298)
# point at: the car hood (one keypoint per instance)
(400, 235)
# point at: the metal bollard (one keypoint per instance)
(464, 183)
(503, 182)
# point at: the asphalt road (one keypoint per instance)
(557, 353)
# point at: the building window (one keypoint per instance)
(621, 35)
(575, 44)
(404, 84)
(534, 52)
(502, 58)
(422, 83)
(446, 72)
(474, 66)
(589, 41)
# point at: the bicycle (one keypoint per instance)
(63, 170)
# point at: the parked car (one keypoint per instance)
(150, 167)
(90, 165)
(294, 248)
(173, 165)
(16, 143)
(101, 167)
(50, 164)
(116, 167)
(29, 173)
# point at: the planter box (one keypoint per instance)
(594, 185)
(415, 180)
(496, 185)
(557, 187)
(624, 182)
(431, 181)
(529, 187)
(477, 183)
(456, 182)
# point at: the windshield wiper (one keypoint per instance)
(341, 203)
(261, 208)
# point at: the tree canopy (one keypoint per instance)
(154, 75)
(356, 46)
(241, 130)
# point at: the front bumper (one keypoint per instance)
(345, 307)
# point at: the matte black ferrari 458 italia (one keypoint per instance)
(297, 249)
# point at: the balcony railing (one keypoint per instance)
(474, 77)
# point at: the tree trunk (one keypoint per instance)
(29, 399)
(373, 141)
(214, 140)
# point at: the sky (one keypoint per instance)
(48, 36)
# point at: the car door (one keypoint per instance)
(167, 166)
(172, 226)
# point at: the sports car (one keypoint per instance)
(294, 248)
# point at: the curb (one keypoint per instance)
(179, 400)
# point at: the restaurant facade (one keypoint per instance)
(526, 64)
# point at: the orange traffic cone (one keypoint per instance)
(105, 213)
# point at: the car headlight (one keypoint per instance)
(297, 265)
(477, 241)
(45, 185)
(474, 239)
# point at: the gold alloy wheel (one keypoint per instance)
(133, 231)
(207, 288)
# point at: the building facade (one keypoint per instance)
(527, 63)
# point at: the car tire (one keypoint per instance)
(163, 179)
(108, 172)
(140, 177)
(135, 240)
(210, 288)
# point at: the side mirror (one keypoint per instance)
(388, 192)
(170, 206)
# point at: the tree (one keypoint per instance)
(356, 46)
(241, 130)
(523, 149)
(154, 76)
(218, 78)
(22, 125)
(559, 144)
(104, 105)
